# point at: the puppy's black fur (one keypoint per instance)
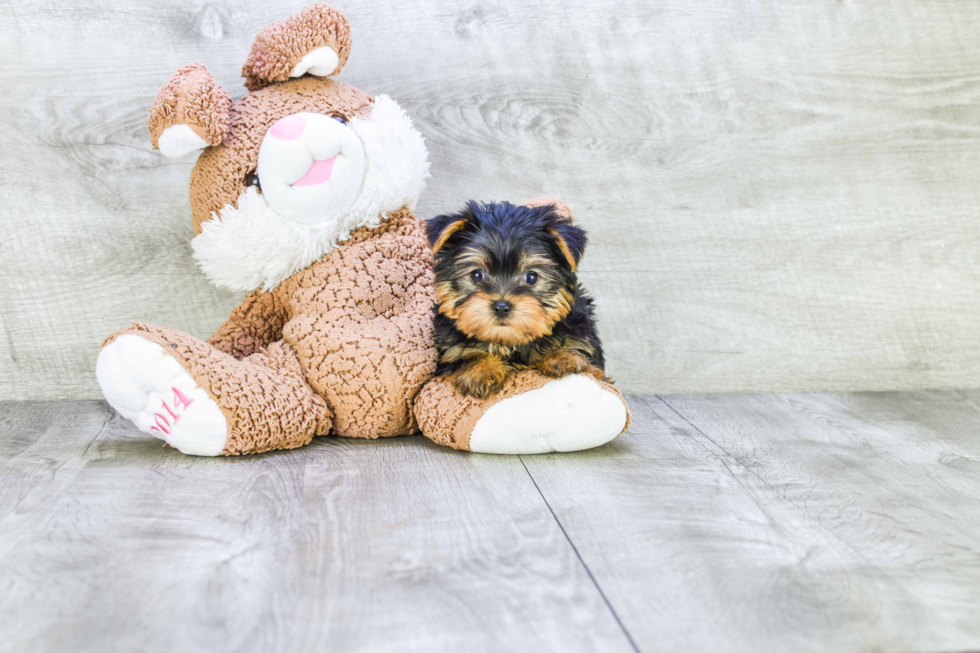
(509, 298)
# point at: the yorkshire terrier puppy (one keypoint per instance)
(508, 296)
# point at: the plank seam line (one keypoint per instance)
(578, 555)
(728, 453)
(790, 502)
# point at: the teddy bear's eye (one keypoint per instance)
(339, 118)
(252, 179)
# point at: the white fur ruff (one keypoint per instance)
(253, 246)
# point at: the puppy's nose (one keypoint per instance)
(288, 128)
(501, 308)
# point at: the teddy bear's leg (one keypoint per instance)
(204, 402)
(532, 414)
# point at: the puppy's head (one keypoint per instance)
(504, 273)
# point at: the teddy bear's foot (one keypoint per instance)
(153, 390)
(532, 414)
(568, 414)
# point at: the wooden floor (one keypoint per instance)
(793, 522)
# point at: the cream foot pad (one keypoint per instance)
(152, 390)
(566, 414)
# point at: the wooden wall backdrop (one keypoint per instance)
(782, 194)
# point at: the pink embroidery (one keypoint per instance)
(181, 402)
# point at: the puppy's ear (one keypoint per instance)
(571, 240)
(442, 227)
(189, 113)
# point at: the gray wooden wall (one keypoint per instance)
(782, 194)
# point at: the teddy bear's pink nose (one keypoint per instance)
(288, 128)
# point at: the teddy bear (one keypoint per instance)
(302, 196)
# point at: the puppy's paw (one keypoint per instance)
(481, 378)
(563, 363)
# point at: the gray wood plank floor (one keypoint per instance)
(778, 522)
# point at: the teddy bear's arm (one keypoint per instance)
(254, 324)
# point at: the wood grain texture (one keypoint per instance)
(778, 523)
(892, 477)
(781, 195)
(109, 541)
(740, 523)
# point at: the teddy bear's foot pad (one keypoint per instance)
(153, 390)
(568, 414)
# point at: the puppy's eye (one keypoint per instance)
(531, 278)
(339, 118)
(252, 179)
(476, 276)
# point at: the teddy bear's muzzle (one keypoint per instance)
(312, 167)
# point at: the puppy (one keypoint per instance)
(508, 296)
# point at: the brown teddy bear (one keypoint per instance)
(303, 197)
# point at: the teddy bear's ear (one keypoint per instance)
(547, 200)
(315, 41)
(189, 113)
(571, 240)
